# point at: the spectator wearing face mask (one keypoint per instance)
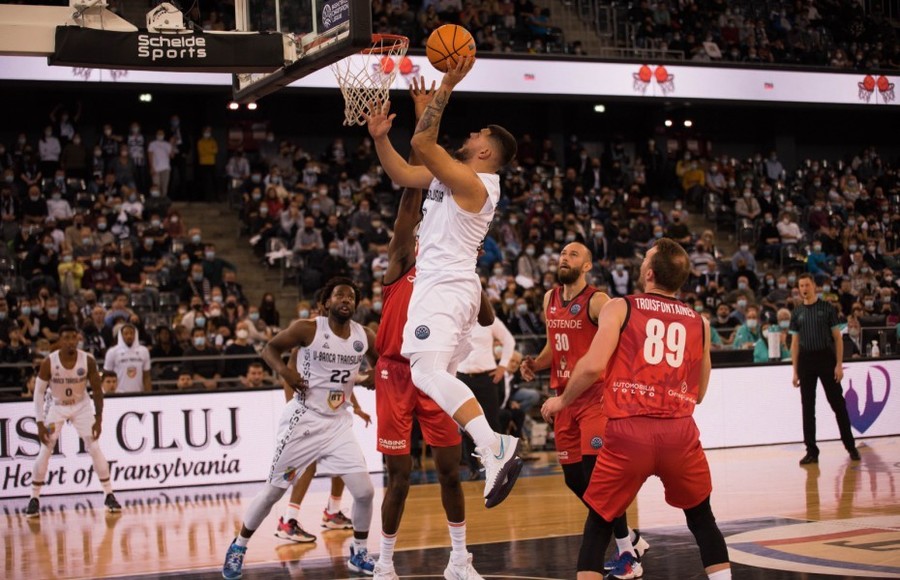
(747, 206)
(744, 254)
(772, 345)
(160, 153)
(678, 230)
(238, 354)
(214, 266)
(207, 151)
(818, 263)
(854, 347)
(205, 370)
(748, 333)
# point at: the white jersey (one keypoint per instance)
(449, 236)
(68, 386)
(329, 365)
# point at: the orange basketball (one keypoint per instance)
(447, 44)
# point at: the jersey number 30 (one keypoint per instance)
(663, 342)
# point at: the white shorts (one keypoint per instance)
(80, 415)
(443, 308)
(305, 436)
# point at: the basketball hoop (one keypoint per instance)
(367, 77)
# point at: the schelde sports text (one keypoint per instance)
(157, 47)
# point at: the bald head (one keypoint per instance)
(575, 261)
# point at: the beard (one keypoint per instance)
(568, 276)
(462, 154)
(639, 284)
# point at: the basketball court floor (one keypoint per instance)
(781, 521)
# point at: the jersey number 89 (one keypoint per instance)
(665, 343)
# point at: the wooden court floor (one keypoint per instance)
(782, 521)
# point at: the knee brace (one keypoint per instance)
(702, 523)
(429, 374)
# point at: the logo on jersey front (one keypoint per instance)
(336, 399)
(596, 443)
(384, 374)
(423, 332)
(358, 345)
(131, 372)
(563, 363)
(80, 372)
(575, 309)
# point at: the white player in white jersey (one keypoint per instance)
(463, 191)
(316, 425)
(67, 372)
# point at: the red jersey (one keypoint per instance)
(655, 369)
(394, 304)
(570, 332)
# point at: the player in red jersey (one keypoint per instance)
(571, 312)
(655, 353)
(397, 399)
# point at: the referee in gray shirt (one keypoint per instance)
(817, 353)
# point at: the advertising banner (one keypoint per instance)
(160, 441)
(142, 50)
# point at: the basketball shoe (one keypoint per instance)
(337, 521)
(500, 470)
(461, 569)
(112, 506)
(627, 568)
(34, 508)
(292, 531)
(361, 562)
(385, 572)
(234, 562)
(640, 548)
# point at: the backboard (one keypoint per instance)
(321, 32)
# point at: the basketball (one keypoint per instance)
(447, 44)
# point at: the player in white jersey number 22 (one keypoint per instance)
(66, 372)
(463, 192)
(316, 425)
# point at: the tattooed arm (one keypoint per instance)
(468, 190)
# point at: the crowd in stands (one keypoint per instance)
(93, 240)
(837, 33)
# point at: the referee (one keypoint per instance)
(817, 353)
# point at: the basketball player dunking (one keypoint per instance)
(398, 400)
(655, 353)
(571, 312)
(67, 372)
(463, 191)
(315, 425)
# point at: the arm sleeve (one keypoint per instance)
(40, 394)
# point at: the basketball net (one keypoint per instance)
(367, 77)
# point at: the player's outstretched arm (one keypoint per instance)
(397, 168)
(459, 177)
(299, 333)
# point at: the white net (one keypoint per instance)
(367, 77)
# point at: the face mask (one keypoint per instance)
(784, 324)
(620, 267)
(529, 251)
(254, 316)
(510, 301)
(210, 255)
(96, 263)
(752, 323)
(207, 134)
(200, 321)
(56, 196)
(871, 249)
(242, 334)
(101, 226)
(522, 308)
(26, 310)
(67, 259)
(513, 222)
(698, 307)
(863, 270)
(854, 332)
(3, 314)
(745, 248)
(817, 248)
(215, 313)
(498, 271)
(263, 210)
(199, 341)
(791, 280)
(376, 306)
(570, 238)
(869, 303)
(53, 311)
(548, 250)
(197, 277)
(741, 303)
(553, 268)
(218, 299)
(48, 246)
(852, 247)
(333, 252)
(303, 313)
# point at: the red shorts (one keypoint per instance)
(579, 430)
(638, 447)
(396, 401)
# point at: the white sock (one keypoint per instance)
(457, 538)
(632, 535)
(721, 575)
(334, 504)
(360, 545)
(292, 512)
(241, 541)
(482, 433)
(625, 545)
(386, 555)
(36, 490)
